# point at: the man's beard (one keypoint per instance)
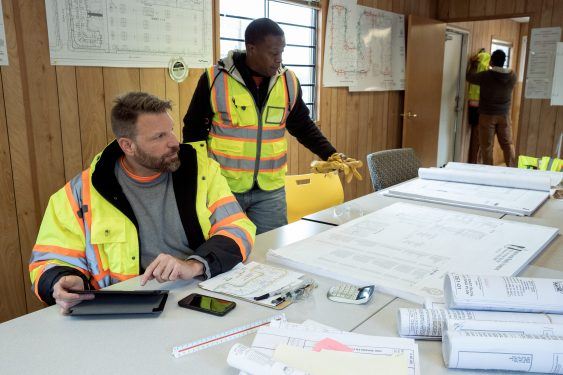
(157, 164)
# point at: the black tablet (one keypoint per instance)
(121, 302)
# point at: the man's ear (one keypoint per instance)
(127, 146)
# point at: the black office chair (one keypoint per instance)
(390, 167)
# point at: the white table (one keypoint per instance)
(46, 342)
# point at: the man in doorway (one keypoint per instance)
(241, 107)
(496, 85)
(146, 203)
(483, 58)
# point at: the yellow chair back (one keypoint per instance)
(311, 192)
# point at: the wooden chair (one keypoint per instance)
(312, 192)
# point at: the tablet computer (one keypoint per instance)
(121, 302)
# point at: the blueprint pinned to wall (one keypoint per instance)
(364, 48)
(129, 33)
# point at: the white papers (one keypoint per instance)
(427, 323)
(541, 61)
(469, 188)
(3, 45)
(331, 362)
(406, 250)
(557, 88)
(269, 338)
(474, 292)
(252, 280)
(496, 350)
(364, 49)
(254, 363)
(528, 328)
(555, 177)
(490, 178)
(126, 33)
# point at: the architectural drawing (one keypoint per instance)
(140, 33)
(365, 48)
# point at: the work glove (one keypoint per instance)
(338, 162)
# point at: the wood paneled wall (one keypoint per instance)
(53, 120)
(540, 123)
(481, 35)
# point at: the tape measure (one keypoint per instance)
(231, 334)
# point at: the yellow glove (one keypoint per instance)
(339, 162)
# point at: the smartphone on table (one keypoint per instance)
(207, 304)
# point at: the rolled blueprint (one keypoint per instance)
(484, 350)
(539, 329)
(426, 324)
(474, 292)
(253, 362)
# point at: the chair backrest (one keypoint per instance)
(390, 167)
(312, 192)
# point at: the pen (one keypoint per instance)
(292, 294)
(277, 291)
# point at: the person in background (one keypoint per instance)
(483, 58)
(242, 107)
(147, 203)
(496, 85)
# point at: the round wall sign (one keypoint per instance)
(177, 69)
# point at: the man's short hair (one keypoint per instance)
(129, 106)
(498, 58)
(259, 29)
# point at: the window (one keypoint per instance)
(506, 47)
(299, 24)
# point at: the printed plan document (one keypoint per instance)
(289, 345)
(511, 194)
(556, 178)
(426, 324)
(406, 250)
(523, 294)
(530, 347)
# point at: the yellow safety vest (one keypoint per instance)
(249, 145)
(474, 90)
(543, 164)
(83, 230)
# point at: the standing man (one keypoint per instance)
(495, 95)
(241, 107)
(146, 203)
(483, 59)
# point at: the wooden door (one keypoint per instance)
(423, 87)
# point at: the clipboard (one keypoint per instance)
(121, 302)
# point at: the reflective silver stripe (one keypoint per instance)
(38, 256)
(246, 134)
(549, 164)
(241, 234)
(248, 165)
(76, 186)
(219, 91)
(224, 211)
(291, 82)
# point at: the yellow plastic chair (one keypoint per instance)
(311, 192)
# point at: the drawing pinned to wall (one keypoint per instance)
(126, 33)
(3, 46)
(364, 49)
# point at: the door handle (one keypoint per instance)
(409, 114)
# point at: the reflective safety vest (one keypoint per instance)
(543, 164)
(248, 144)
(81, 229)
(474, 90)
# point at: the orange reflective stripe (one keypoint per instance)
(246, 139)
(295, 89)
(221, 202)
(211, 77)
(34, 265)
(74, 206)
(247, 170)
(121, 277)
(285, 98)
(226, 221)
(227, 104)
(249, 127)
(59, 250)
(242, 157)
(86, 200)
(243, 250)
